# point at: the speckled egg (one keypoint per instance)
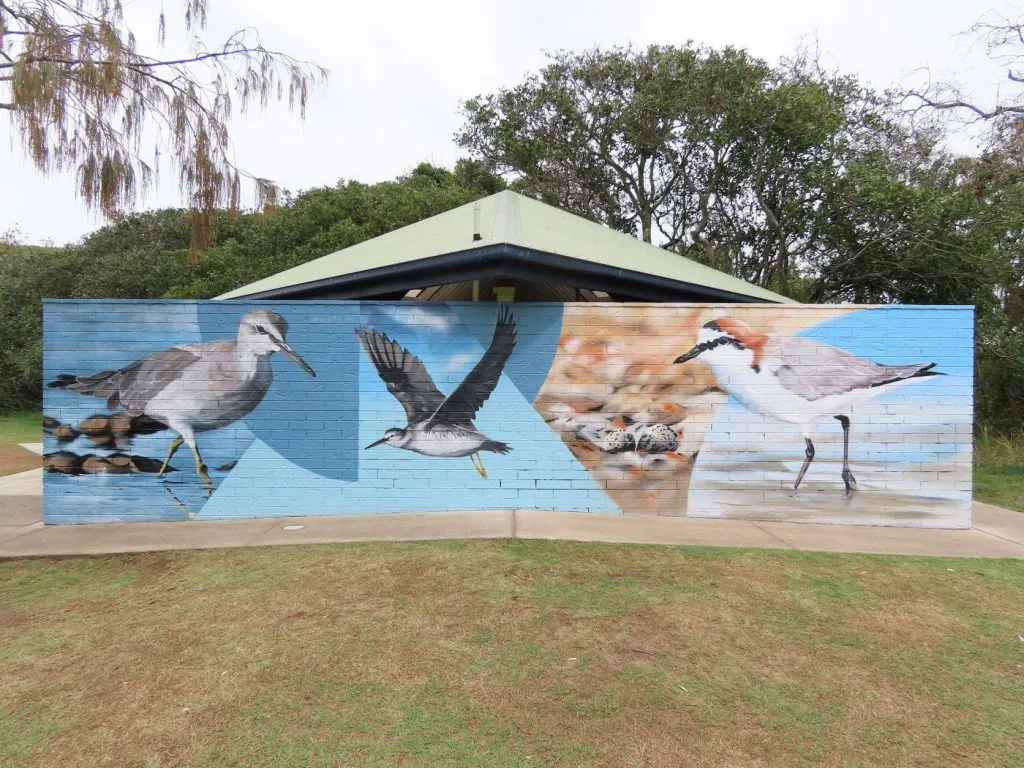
(655, 438)
(617, 441)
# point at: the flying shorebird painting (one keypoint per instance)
(195, 388)
(437, 425)
(796, 380)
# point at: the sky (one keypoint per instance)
(398, 71)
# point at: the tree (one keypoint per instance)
(82, 97)
(905, 235)
(611, 135)
(714, 154)
(328, 219)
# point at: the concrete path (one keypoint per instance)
(997, 532)
(22, 484)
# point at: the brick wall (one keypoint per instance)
(589, 399)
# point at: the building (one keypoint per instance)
(611, 377)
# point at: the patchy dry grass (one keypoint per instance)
(510, 654)
(15, 428)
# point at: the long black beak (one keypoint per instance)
(375, 443)
(689, 355)
(298, 360)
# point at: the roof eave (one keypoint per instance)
(507, 260)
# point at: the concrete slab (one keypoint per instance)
(22, 484)
(36, 448)
(998, 532)
(1004, 523)
(540, 524)
(490, 524)
(20, 510)
(893, 541)
(9, 532)
(50, 540)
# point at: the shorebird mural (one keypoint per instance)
(437, 425)
(195, 388)
(606, 406)
(795, 380)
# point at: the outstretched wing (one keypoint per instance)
(462, 404)
(404, 373)
(134, 386)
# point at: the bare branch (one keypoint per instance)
(983, 114)
(1004, 40)
(150, 64)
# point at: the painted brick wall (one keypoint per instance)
(699, 410)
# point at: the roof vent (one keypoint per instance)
(476, 222)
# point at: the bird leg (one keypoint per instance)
(478, 465)
(808, 457)
(174, 446)
(201, 467)
(848, 479)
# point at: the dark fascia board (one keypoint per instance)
(504, 260)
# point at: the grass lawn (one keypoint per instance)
(15, 428)
(510, 653)
(999, 471)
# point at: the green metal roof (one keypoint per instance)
(511, 219)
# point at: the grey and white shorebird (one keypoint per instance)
(796, 380)
(194, 388)
(437, 425)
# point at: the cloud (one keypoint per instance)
(437, 320)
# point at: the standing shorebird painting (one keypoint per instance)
(796, 380)
(195, 388)
(440, 426)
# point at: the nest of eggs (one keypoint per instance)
(634, 419)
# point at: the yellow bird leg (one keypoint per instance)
(174, 446)
(201, 467)
(478, 465)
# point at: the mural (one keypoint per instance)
(190, 389)
(794, 380)
(824, 414)
(439, 425)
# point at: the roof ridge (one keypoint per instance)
(516, 220)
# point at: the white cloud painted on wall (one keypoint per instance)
(420, 316)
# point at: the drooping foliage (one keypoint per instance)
(83, 97)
